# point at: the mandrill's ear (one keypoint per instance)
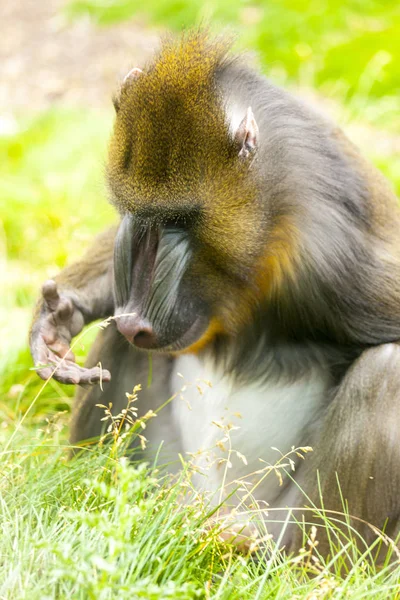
(133, 74)
(246, 135)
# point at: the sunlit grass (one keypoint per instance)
(100, 527)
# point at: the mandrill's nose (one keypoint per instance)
(137, 331)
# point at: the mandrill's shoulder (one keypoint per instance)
(382, 200)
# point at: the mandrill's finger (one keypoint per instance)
(64, 310)
(60, 371)
(74, 374)
(50, 294)
(44, 372)
(41, 356)
(94, 375)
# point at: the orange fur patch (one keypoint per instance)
(215, 327)
(276, 266)
(279, 261)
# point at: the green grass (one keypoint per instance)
(96, 527)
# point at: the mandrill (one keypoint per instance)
(257, 257)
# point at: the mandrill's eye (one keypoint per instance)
(177, 222)
(185, 218)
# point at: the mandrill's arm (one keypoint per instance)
(80, 294)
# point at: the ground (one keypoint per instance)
(45, 58)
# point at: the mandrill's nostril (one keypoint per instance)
(137, 331)
(145, 338)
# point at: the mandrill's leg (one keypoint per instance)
(129, 367)
(359, 446)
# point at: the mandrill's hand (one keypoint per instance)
(59, 321)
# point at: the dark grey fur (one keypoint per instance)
(347, 290)
(151, 262)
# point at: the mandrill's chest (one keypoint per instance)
(217, 418)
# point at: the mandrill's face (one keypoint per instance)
(190, 255)
(172, 292)
(191, 252)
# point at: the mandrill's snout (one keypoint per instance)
(137, 331)
(158, 302)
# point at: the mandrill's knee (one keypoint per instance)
(359, 450)
(374, 381)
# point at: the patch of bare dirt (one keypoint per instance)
(46, 59)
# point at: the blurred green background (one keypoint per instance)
(59, 64)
